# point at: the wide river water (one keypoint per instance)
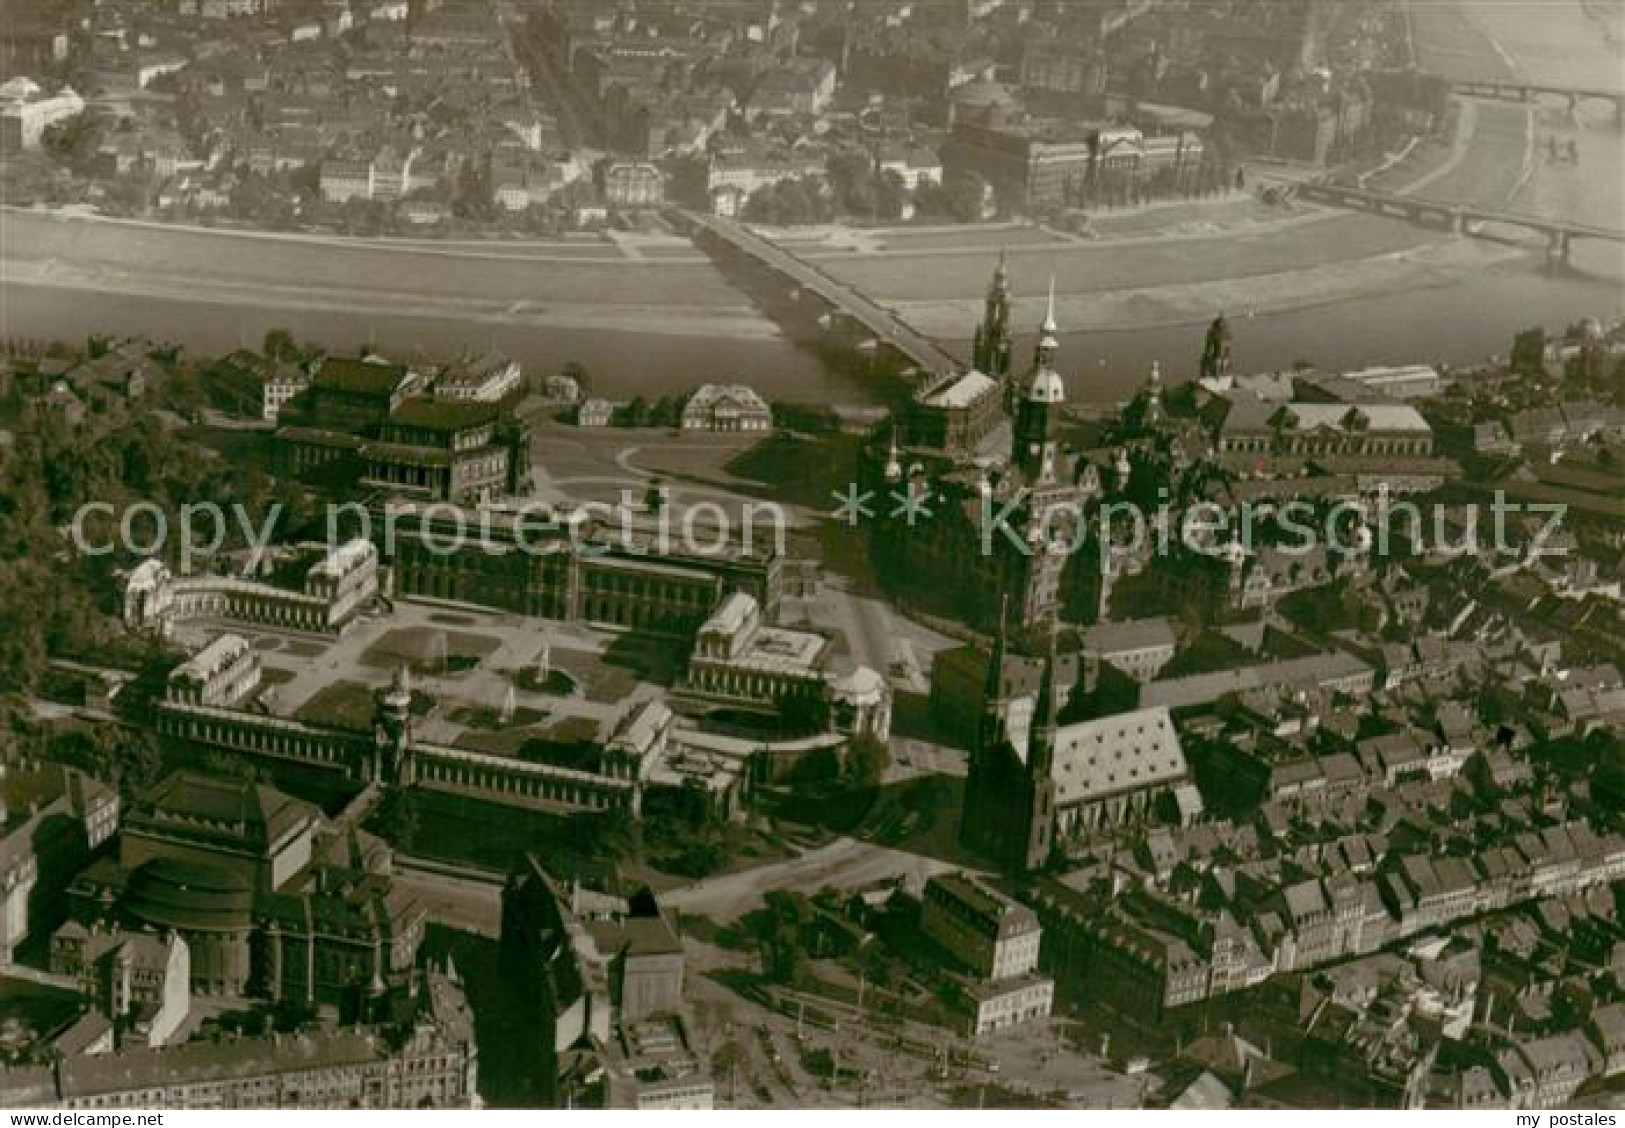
(1462, 320)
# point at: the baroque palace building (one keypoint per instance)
(570, 566)
(998, 495)
(314, 589)
(553, 566)
(573, 566)
(392, 755)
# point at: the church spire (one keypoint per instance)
(993, 732)
(1048, 346)
(993, 684)
(1046, 713)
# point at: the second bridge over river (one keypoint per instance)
(1559, 233)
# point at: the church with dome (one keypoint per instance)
(998, 492)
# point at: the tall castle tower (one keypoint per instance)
(1035, 439)
(1216, 352)
(992, 350)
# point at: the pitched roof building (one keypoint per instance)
(726, 407)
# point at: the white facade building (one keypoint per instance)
(26, 110)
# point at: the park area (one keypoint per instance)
(429, 649)
(480, 679)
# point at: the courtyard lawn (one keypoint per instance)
(599, 681)
(271, 676)
(427, 649)
(344, 704)
(503, 741)
(557, 683)
(488, 718)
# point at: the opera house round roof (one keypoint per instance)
(193, 896)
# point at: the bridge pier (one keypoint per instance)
(1557, 246)
(1458, 221)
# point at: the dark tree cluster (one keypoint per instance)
(861, 191)
(55, 599)
(791, 202)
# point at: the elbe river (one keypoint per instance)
(1459, 320)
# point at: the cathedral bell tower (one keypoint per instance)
(1216, 353)
(992, 350)
(1035, 438)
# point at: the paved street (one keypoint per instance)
(845, 863)
(879, 638)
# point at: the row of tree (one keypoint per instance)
(852, 188)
